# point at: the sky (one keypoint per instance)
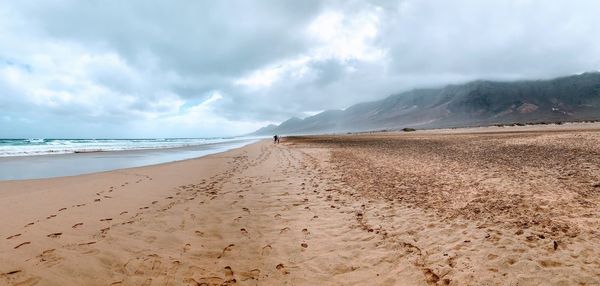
(139, 68)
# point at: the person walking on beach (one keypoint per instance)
(275, 139)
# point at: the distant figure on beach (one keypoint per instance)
(275, 139)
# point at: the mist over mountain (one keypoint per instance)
(475, 103)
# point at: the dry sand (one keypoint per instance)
(444, 207)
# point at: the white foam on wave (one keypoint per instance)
(34, 147)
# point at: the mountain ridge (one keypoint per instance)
(475, 103)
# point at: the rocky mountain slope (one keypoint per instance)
(475, 103)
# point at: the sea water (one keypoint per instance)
(36, 146)
(46, 158)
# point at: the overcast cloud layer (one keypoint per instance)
(216, 68)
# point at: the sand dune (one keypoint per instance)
(382, 209)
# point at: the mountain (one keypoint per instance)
(476, 103)
(269, 129)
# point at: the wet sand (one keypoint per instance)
(426, 208)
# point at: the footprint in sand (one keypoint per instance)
(304, 245)
(281, 268)
(305, 231)
(11, 272)
(30, 224)
(187, 247)
(106, 219)
(228, 272)
(199, 233)
(24, 243)
(86, 243)
(97, 200)
(62, 209)
(284, 230)
(266, 250)
(50, 216)
(244, 231)
(123, 212)
(430, 276)
(77, 225)
(226, 249)
(204, 281)
(13, 236)
(54, 235)
(252, 274)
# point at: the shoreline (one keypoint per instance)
(7, 164)
(73, 164)
(186, 147)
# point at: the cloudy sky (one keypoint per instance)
(216, 68)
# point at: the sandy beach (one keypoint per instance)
(502, 206)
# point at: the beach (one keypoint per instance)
(488, 206)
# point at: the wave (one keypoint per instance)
(34, 141)
(33, 147)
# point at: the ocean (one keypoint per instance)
(32, 147)
(46, 158)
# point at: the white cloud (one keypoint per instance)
(203, 69)
(346, 36)
(203, 118)
(261, 78)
